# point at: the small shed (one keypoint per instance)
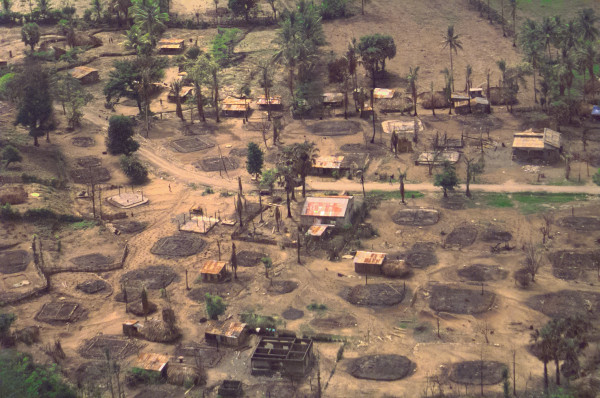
(85, 74)
(263, 104)
(131, 328)
(383, 93)
(333, 99)
(289, 355)
(229, 333)
(171, 46)
(330, 210)
(369, 262)
(232, 106)
(327, 164)
(184, 94)
(404, 128)
(530, 144)
(213, 271)
(154, 363)
(476, 92)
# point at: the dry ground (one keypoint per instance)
(407, 329)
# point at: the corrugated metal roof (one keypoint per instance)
(228, 328)
(275, 100)
(328, 206)
(389, 126)
(383, 93)
(317, 230)
(170, 42)
(536, 141)
(82, 71)
(328, 162)
(150, 361)
(234, 107)
(130, 322)
(362, 257)
(213, 267)
(333, 97)
(236, 101)
(459, 97)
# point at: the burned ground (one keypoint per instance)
(374, 295)
(178, 246)
(153, 277)
(571, 265)
(457, 300)
(476, 372)
(14, 261)
(462, 236)
(483, 273)
(335, 128)
(120, 347)
(94, 262)
(224, 163)
(94, 286)
(567, 303)
(381, 367)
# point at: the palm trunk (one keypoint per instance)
(402, 188)
(468, 192)
(303, 186)
(557, 371)
(451, 69)
(216, 99)
(35, 141)
(546, 377)
(200, 102)
(289, 209)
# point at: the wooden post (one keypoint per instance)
(187, 287)
(219, 247)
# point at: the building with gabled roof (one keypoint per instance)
(85, 74)
(151, 362)
(229, 333)
(329, 210)
(170, 46)
(213, 271)
(369, 262)
(529, 144)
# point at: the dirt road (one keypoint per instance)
(192, 176)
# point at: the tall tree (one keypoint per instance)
(301, 157)
(452, 41)
(97, 7)
(30, 34)
(242, 7)
(34, 108)
(198, 72)
(234, 263)
(120, 136)
(254, 160)
(265, 80)
(148, 16)
(73, 98)
(533, 48)
(352, 58)
(412, 77)
(447, 179)
(374, 50)
(586, 23)
(588, 56)
(340, 73)
(176, 87)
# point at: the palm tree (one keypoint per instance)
(586, 21)
(352, 57)
(176, 86)
(530, 40)
(121, 8)
(547, 30)
(288, 52)
(265, 80)
(97, 6)
(148, 16)
(213, 70)
(502, 66)
(412, 77)
(198, 72)
(448, 87)
(453, 43)
(588, 56)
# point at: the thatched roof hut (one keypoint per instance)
(439, 100)
(184, 374)
(396, 269)
(159, 331)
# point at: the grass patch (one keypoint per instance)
(563, 182)
(533, 202)
(396, 194)
(497, 200)
(85, 224)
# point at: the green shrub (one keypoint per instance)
(137, 376)
(7, 213)
(208, 191)
(316, 307)
(254, 321)
(332, 9)
(134, 169)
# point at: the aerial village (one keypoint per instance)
(299, 198)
